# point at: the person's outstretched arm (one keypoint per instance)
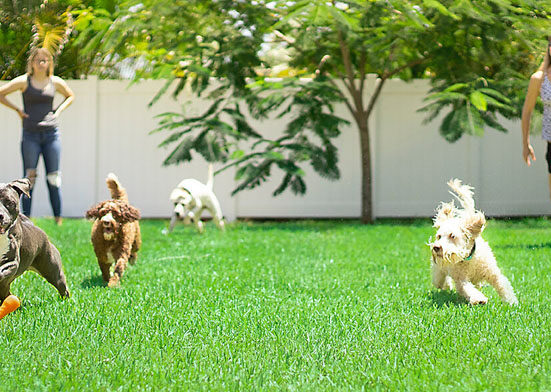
(529, 104)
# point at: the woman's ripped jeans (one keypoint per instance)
(47, 143)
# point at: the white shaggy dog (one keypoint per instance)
(190, 198)
(460, 255)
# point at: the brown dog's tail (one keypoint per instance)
(115, 187)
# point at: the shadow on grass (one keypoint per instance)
(92, 281)
(445, 298)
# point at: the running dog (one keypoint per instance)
(190, 198)
(459, 254)
(116, 232)
(24, 246)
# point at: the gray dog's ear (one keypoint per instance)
(22, 186)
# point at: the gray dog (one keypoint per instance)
(24, 246)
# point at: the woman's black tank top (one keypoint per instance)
(38, 104)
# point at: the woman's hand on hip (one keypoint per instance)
(22, 114)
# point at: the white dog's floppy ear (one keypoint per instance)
(186, 198)
(175, 195)
(444, 212)
(180, 196)
(474, 224)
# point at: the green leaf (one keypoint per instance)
(446, 96)
(237, 154)
(478, 100)
(275, 155)
(456, 86)
(450, 128)
(181, 153)
(496, 94)
(283, 185)
(161, 92)
(470, 120)
(490, 120)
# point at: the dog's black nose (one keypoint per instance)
(437, 248)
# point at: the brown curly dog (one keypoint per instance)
(116, 232)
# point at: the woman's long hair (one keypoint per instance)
(546, 59)
(35, 52)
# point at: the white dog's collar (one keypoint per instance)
(470, 256)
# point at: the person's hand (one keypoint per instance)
(22, 114)
(528, 154)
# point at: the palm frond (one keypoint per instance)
(51, 31)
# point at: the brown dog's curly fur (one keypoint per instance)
(116, 232)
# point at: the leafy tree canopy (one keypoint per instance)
(477, 54)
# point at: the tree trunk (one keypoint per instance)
(367, 196)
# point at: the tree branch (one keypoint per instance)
(354, 92)
(348, 88)
(322, 63)
(350, 108)
(374, 96)
(291, 41)
(363, 59)
(345, 52)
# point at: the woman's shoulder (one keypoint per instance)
(17, 83)
(61, 86)
(536, 81)
(537, 76)
(58, 81)
(20, 80)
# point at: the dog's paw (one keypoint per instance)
(478, 300)
(113, 282)
(512, 300)
(448, 284)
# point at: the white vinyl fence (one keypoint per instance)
(107, 130)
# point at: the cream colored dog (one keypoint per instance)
(460, 255)
(190, 198)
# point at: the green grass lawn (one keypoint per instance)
(304, 305)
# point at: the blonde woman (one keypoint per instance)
(40, 122)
